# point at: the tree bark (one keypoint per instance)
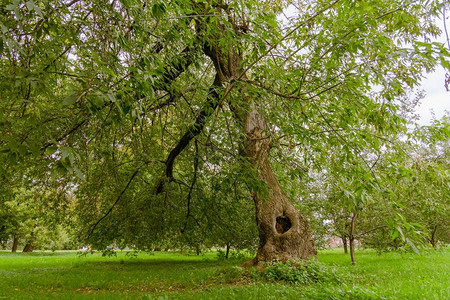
(195, 129)
(29, 245)
(433, 241)
(28, 248)
(228, 251)
(344, 243)
(352, 238)
(352, 250)
(15, 244)
(283, 232)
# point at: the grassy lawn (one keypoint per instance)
(167, 275)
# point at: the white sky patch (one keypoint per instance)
(437, 100)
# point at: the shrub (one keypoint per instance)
(299, 272)
(237, 254)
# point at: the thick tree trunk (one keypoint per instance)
(15, 244)
(283, 232)
(344, 243)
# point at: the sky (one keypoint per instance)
(437, 99)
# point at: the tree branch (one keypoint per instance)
(368, 231)
(63, 136)
(172, 71)
(212, 101)
(194, 180)
(115, 203)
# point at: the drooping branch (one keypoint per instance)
(171, 72)
(370, 230)
(65, 134)
(227, 65)
(194, 181)
(212, 101)
(115, 203)
(174, 70)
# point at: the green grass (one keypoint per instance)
(167, 275)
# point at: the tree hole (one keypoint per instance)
(283, 224)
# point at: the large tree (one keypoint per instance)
(145, 101)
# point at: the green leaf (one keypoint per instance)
(108, 71)
(413, 246)
(70, 99)
(13, 6)
(158, 10)
(399, 229)
(78, 173)
(30, 5)
(65, 152)
(50, 150)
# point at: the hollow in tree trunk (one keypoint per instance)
(283, 232)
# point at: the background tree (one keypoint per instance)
(31, 218)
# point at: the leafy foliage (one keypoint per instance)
(97, 96)
(300, 272)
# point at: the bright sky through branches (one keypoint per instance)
(436, 102)
(437, 99)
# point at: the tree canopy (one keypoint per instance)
(165, 118)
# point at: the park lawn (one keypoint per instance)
(170, 275)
